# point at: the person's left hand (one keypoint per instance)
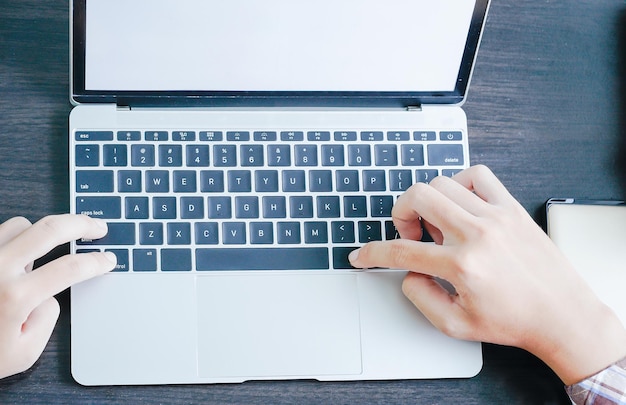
(28, 309)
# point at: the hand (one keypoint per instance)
(28, 310)
(513, 286)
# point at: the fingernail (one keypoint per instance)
(354, 255)
(101, 223)
(111, 257)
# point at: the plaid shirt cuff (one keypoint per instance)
(608, 387)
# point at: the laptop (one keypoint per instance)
(239, 151)
(592, 235)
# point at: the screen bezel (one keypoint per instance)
(268, 98)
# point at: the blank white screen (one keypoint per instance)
(275, 45)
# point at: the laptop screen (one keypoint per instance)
(396, 48)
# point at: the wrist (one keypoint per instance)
(588, 342)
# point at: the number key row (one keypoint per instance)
(148, 155)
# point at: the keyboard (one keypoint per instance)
(209, 200)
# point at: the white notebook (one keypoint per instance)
(593, 236)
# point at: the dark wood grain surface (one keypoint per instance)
(545, 112)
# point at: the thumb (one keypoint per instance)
(36, 332)
(436, 303)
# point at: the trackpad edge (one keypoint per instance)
(278, 325)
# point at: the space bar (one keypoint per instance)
(262, 259)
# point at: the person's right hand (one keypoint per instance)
(28, 309)
(513, 286)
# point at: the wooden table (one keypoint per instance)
(544, 113)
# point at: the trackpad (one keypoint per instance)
(257, 326)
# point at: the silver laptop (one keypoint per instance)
(239, 150)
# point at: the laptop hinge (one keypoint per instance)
(414, 108)
(123, 107)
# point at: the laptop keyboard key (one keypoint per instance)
(212, 181)
(328, 206)
(184, 181)
(305, 155)
(386, 155)
(252, 155)
(347, 180)
(100, 207)
(445, 155)
(288, 233)
(151, 233)
(246, 207)
(115, 155)
(178, 233)
(355, 206)
(122, 259)
(198, 155)
(261, 233)
(234, 233)
(192, 207)
(425, 176)
(342, 231)
(142, 155)
(294, 181)
(315, 232)
(266, 181)
(374, 180)
(369, 231)
(94, 181)
(381, 205)
(206, 233)
(279, 155)
(129, 181)
(412, 155)
(87, 155)
(164, 208)
(399, 180)
(301, 207)
(119, 234)
(359, 155)
(176, 260)
(219, 207)
(340, 257)
(239, 181)
(332, 155)
(225, 156)
(274, 207)
(144, 260)
(262, 259)
(136, 207)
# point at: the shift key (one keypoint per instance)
(100, 207)
(119, 234)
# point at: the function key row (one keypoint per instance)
(269, 136)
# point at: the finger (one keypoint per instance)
(36, 332)
(9, 230)
(64, 272)
(405, 254)
(48, 233)
(425, 202)
(434, 233)
(436, 303)
(481, 180)
(12, 227)
(460, 195)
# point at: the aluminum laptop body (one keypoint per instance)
(186, 107)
